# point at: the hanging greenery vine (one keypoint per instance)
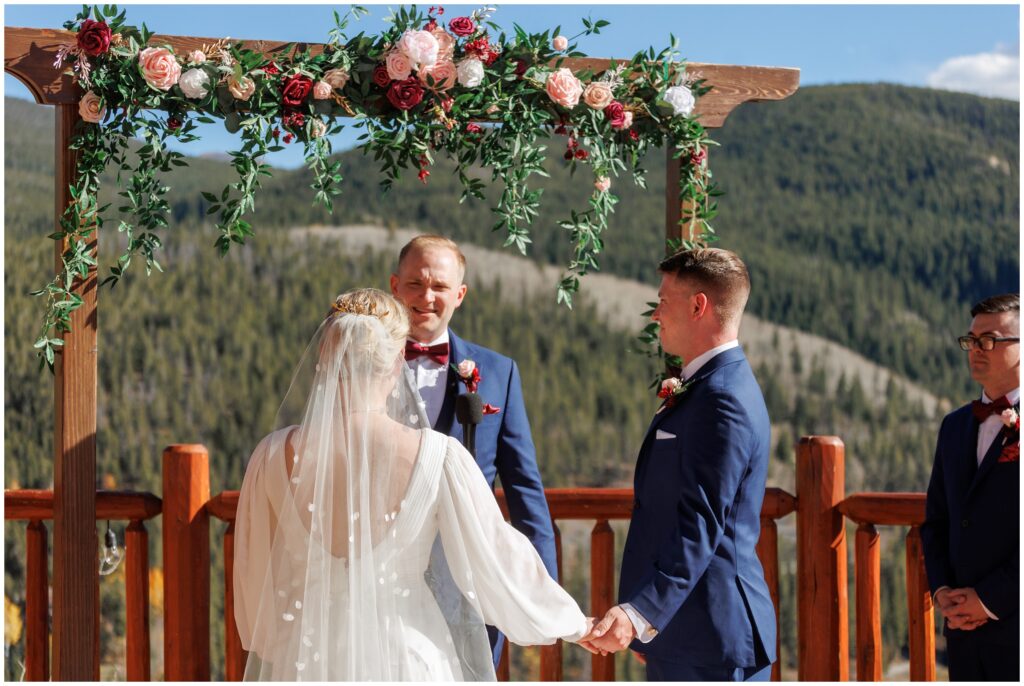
(422, 87)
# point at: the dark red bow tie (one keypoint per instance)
(983, 411)
(438, 353)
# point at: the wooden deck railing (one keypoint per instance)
(821, 510)
(36, 507)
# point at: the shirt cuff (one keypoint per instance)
(987, 611)
(644, 631)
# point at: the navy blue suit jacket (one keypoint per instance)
(689, 564)
(504, 446)
(971, 533)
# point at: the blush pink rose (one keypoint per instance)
(91, 109)
(602, 184)
(322, 90)
(241, 89)
(337, 78)
(443, 73)
(466, 368)
(197, 57)
(560, 43)
(421, 47)
(159, 67)
(597, 95)
(445, 44)
(564, 88)
(399, 65)
(317, 128)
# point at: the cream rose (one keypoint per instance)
(91, 109)
(470, 72)
(681, 99)
(564, 88)
(337, 78)
(420, 47)
(322, 90)
(241, 89)
(466, 368)
(443, 73)
(597, 95)
(194, 83)
(317, 128)
(159, 67)
(197, 57)
(627, 119)
(399, 65)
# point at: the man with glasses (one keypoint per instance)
(971, 532)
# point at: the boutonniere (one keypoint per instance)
(469, 375)
(1011, 436)
(671, 389)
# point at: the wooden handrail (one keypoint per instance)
(889, 509)
(37, 505)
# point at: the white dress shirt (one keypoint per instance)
(644, 631)
(431, 380)
(988, 430)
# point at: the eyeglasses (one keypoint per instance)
(985, 342)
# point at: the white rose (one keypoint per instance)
(193, 83)
(466, 368)
(197, 57)
(470, 72)
(681, 99)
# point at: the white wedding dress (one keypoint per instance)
(412, 628)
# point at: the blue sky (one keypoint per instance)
(961, 47)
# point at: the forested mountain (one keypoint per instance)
(869, 215)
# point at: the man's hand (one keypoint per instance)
(966, 612)
(584, 642)
(613, 633)
(946, 601)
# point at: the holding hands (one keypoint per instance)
(961, 607)
(610, 635)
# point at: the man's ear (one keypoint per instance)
(699, 305)
(394, 285)
(461, 294)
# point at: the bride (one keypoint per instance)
(337, 575)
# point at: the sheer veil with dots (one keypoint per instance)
(331, 581)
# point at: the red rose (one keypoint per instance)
(380, 76)
(582, 154)
(521, 67)
(482, 50)
(406, 94)
(94, 38)
(473, 128)
(698, 156)
(271, 69)
(288, 138)
(294, 120)
(615, 113)
(423, 175)
(173, 123)
(295, 89)
(633, 135)
(462, 26)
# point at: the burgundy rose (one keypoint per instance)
(295, 90)
(294, 120)
(462, 26)
(288, 138)
(173, 123)
(473, 128)
(582, 154)
(615, 113)
(380, 76)
(430, 25)
(698, 156)
(271, 69)
(94, 38)
(406, 94)
(633, 135)
(521, 66)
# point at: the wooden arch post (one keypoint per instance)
(29, 55)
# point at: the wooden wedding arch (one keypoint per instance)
(74, 505)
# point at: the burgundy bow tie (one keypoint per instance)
(983, 411)
(438, 353)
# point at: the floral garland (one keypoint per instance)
(419, 88)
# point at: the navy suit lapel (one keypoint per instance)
(991, 456)
(446, 418)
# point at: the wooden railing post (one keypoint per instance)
(37, 604)
(136, 546)
(768, 554)
(186, 546)
(869, 604)
(234, 654)
(551, 655)
(921, 625)
(602, 590)
(821, 561)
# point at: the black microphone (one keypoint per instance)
(469, 410)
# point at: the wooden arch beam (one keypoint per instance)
(29, 55)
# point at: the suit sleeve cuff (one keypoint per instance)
(987, 611)
(644, 631)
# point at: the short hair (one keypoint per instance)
(430, 240)
(1007, 302)
(720, 273)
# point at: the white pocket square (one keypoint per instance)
(661, 435)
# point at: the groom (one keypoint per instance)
(693, 600)
(429, 282)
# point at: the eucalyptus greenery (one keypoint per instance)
(503, 122)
